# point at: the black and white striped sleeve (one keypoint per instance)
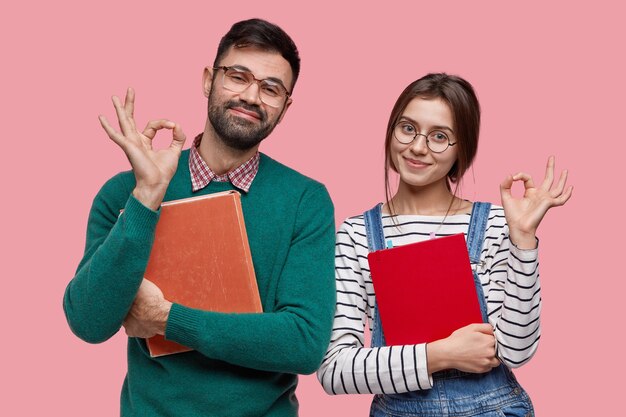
(348, 367)
(513, 295)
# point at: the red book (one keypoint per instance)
(424, 290)
(201, 259)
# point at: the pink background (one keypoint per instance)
(550, 78)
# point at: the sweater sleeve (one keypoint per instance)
(118, 246)
(349, 367)
(514, 294)
(294, 336)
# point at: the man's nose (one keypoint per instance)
(252, 94)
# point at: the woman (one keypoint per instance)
(431, 141)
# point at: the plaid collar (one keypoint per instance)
(201, 175)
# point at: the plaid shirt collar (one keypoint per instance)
(201, 175)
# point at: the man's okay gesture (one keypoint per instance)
(153, 168)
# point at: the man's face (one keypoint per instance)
(241, 119)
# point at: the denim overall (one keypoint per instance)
(454, 393)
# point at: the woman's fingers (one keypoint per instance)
(560, 186)
(485, 328)
(505, 188)
(562, 199)
(494, 362)
(559, 194)
(528, 181)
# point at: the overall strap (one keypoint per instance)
(375, 241)
(476, 230)
(475, 237)
(374, 228)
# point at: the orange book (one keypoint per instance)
(201, 259)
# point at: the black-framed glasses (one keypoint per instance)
(271, 92)
(436, 140)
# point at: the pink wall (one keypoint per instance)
(550, 79)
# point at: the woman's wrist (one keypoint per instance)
(437, 359)
(523, 240)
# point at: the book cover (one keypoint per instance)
(201, 259)
(424, 290)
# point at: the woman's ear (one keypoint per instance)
(454, 172)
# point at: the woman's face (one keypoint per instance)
(417, 165)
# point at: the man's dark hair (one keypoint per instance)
(261, 34)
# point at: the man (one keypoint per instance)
(242, 364)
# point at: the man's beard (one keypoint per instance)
(237, 132)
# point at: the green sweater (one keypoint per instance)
(243, 364)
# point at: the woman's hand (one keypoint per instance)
(153, 169)
(470, 349)
(523, 215)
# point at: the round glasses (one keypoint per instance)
(436, 140)
(271, 91)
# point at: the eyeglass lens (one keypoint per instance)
(271, 93)
(437, 141)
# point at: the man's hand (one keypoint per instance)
(153, 168)
(149, 312)
(523, 215)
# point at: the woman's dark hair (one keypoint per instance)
(261, 34)
(459, 95)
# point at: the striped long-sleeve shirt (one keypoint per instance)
(510, 280)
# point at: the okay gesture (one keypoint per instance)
(153, 168)
(524, 214)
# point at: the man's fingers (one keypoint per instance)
(112, 133)
(125, 126)
(129, 106)
(178, 138)
(154, 126)
(129, 102)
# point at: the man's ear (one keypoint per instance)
(287, 104)
(207, 81)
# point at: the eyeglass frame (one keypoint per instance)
(225, 68)
(420, 134)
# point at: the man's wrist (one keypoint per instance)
(163, 315)
(151, 197)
